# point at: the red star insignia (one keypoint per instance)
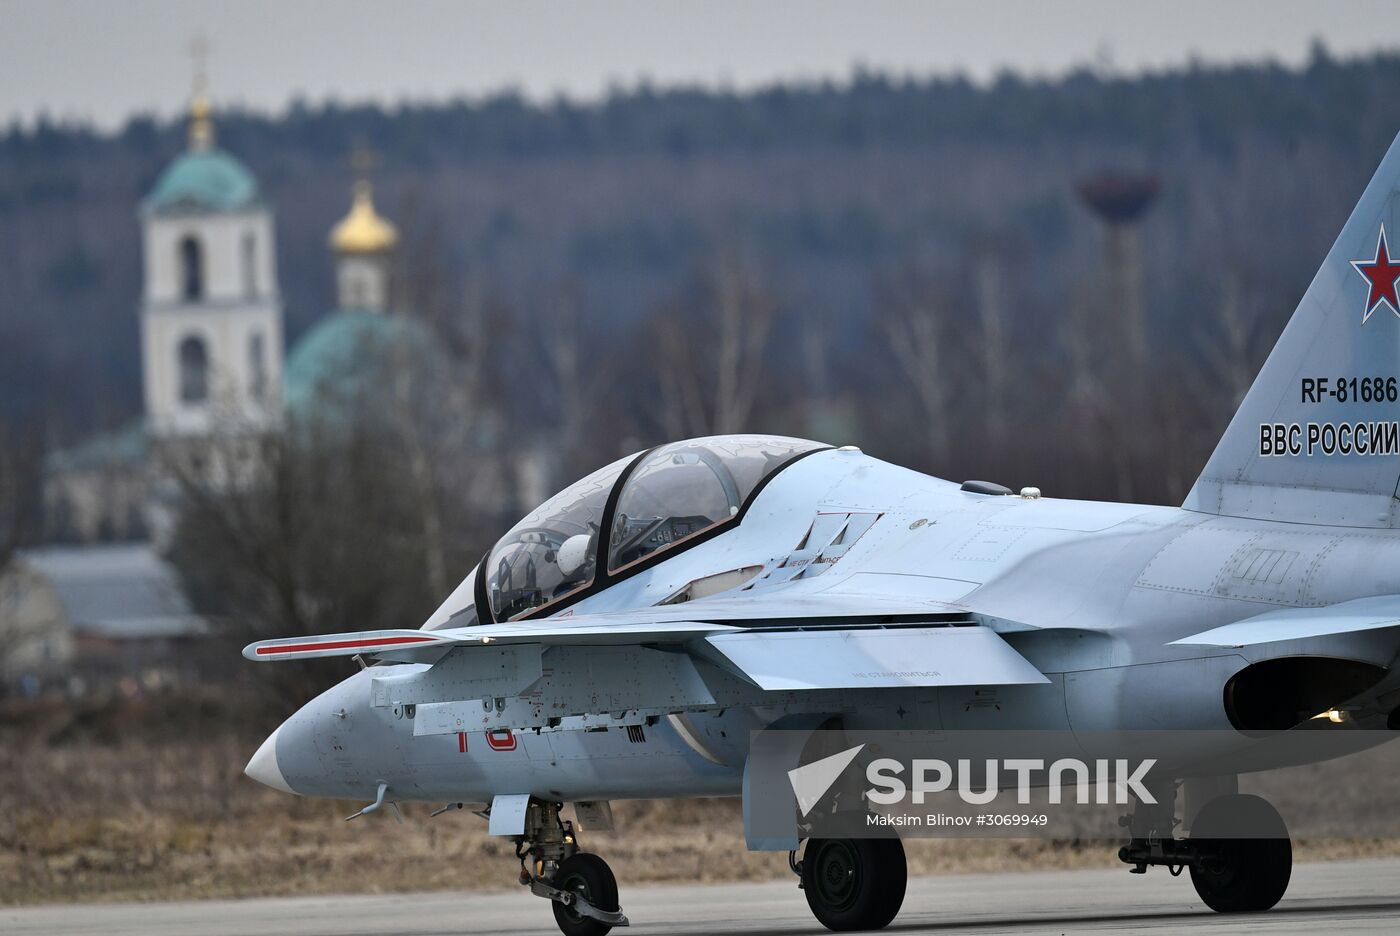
(1381, 274)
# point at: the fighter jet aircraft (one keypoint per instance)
(626, 638)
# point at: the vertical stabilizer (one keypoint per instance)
(1317, 438)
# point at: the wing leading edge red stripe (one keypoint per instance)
(342, 644)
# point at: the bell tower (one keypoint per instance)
(211, 315)
(363, 243)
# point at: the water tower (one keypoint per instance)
(1120, 200)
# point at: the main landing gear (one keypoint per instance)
(852, 884)
(1239, 852)
(1239, 875)
(580, 885)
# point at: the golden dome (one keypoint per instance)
(363, 231)
(201, 122)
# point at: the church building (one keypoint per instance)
(211, 315)
(212, 353)
(215, 378)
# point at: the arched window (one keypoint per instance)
(250, 266)
(194, 370)
(359, 291)
(191, 269)
(257, 366)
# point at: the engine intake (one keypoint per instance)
(1275, 695)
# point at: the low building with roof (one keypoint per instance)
(101, 613)
(99, 490)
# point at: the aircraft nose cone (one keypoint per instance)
(263, 767)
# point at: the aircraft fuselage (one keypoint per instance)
(1091, 594)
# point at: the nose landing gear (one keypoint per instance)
(580, 885)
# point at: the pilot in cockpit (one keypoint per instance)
(664, 498)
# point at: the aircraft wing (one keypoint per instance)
(391, 644)
(874, 657)
(615, 667)
(1363, 614)
(772, 653)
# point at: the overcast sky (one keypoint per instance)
(102, 60)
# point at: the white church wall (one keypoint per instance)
(362, 282)
(239, 304)
(221, 237)
(227, 332)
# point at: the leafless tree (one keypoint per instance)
(322, 537)
(439, 404)
(421, 464)
(913, 315)
(17, 461)
(359, 513)
(710, 350)
(1230, 351)
(994, 344)
(438, 415)
(1105, 394)
(19, 491)
(574, 375)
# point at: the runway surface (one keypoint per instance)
(1343, 897)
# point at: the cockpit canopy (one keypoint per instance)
(670, 494)
(552, 552)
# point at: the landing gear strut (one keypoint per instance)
(853, 884)
(580, 885)
(1239, 853)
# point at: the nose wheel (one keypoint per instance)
(588, 877)
(854, 884)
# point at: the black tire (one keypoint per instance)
(589, 876)
(1241, 874)
(854, 884)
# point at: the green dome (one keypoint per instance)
(211, 180)
(348, 353)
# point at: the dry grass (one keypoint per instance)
(137, 821)
(148, 818)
